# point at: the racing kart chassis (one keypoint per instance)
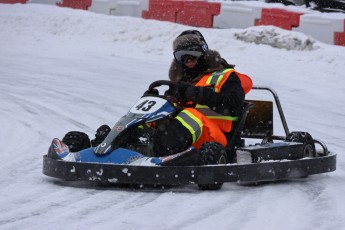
(275, 158)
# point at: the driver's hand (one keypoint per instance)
(179, 91)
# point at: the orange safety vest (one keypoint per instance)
(204, 124)
(217, 80)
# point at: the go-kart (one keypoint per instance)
(270, 158)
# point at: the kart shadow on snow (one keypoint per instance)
(190, 188)
(122, 187)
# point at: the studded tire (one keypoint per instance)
(212, 153)
(76, 141)
(307, 140)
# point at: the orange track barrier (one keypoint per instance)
(280, 18)
(198, 13)
(163, 10)
(76, 4)
(340, 37)
(193, 13)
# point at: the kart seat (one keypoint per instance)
(256, 122)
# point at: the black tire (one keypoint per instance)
(309, 150)
(308, 141)
(212, 153)
(101, 133)
(305, 138)
(76, 141)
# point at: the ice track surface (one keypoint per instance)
(63, 69)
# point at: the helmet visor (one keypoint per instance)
(181, 54)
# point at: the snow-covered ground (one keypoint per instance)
(64, 69)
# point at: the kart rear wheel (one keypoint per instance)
(308, 150)
(308, 141)
(212, 153)
(308, 144)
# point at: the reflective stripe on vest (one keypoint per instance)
(209, 113)
(215, 79)
(192, 123)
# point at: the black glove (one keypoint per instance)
(151, 92)
(179, 91)
(194, 93)
(186, 92)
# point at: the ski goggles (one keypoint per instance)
(181, 55)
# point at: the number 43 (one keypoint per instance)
(145, 105)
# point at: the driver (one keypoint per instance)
(212, 93)
(209, 90)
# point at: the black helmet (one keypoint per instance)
(189, 42)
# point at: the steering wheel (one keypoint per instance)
(156, 84)
(168, 93)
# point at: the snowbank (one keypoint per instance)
(277, 38)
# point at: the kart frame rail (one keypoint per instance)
(256, 122)
(176, 175)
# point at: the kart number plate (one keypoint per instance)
(147, 105)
